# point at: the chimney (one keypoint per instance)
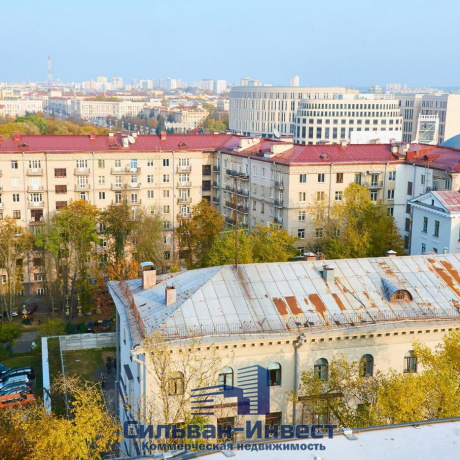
(92, 135)
(149, 275)
(170, 295)
(111, 134)
(391, 253)
(328, 273)
(309, 256)
(163, 135)
(16, 135)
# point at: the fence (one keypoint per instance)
(87, 341)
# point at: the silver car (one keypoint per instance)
(15, 379)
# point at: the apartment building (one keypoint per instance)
(267, 111)
(280, 319)
(19, 108)
(430, 118)
(93, 110)
(356, 118)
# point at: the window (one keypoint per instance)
(101, 163)
(206, 170)
(301, 233)
(274, 374)
(339, 178)
(60, 189)
(409, 188)
(176, 384)
(391, 194)
(303, 178)
(226, 377)
(374, 195)
(366, 366)
(302, 196)
(102, 195)
(338, 196)
(302, 216)
(165, 177)
(133, 164)
(401, 294)
(14, 164)
(425, 225)
(101, 180)
(273, 420)
(150, 179)
(165, 162)
(117, 197)
(166, 224)
(118, 163)
(410, 362)
(407, 225)
(16, 214)
(408, 208)
(60, 204)
(150, 194)
(423, 248)
(392, 175)
(262, 208)
(319, 196)
(103, 243)
(82, 163)
(435, 250)
(319, 233)
(254, 205)
(254, 170)
(39, 276)
(390, 211)
(60, 172)
(321, 178)
(166, 209)
(150, 162)
(422, 179)
(321, 368)
(165, 193)
(436, 228)
(34, 164)
(358, 178)
(167, 256)
(41, 291)
(15, 197)
(15, 181)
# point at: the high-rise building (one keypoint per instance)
(294, 81)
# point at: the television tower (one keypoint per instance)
(49, 73)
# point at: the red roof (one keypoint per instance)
(450, 200)
(444, 158)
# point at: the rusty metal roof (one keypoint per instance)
(291, 296)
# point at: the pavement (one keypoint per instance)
(24, 343)
(109, 389)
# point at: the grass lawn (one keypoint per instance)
(85, 363)
(34, 360)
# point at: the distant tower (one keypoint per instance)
(294, 81)
(49, 73)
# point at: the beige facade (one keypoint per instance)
(92, 110)
(19, 108)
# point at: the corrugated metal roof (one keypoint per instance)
(261, 298)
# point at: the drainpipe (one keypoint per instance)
(297, 344)
(330, 192)
(141, 363)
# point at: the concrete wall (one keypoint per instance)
(87, 341)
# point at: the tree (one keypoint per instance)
(14, 243)
(69, 239)
(51, 327)
(161, 126)
(89, 431)
(197, 233)
(272, 244)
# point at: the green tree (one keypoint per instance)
(51, 327)
(15, 241)
(272, 244)
(197, 233)
(40, 122)
(161, 126)
(9, 332)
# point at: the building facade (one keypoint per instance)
(19, 108)
(284, 318)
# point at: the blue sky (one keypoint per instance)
(349, 42)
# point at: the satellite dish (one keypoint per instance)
(276, 133)
(131, 139)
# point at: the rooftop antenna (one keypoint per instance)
(49, 72)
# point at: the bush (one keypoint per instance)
(3, 353)
(9, 332)
(51, 327)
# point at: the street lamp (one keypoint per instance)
(67, 307)
(79, 307)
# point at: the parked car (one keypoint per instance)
(3, 369)
(15, 379)
(100, 325)
(15, 399)
(26, 370)
(31, 308)
(15, 388)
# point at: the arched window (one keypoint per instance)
(366, 366)
(226, 377)
(176, 384)
(274, 374)
(410, 362)
(321, 368)
(401, 294)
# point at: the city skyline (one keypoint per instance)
(195, 40)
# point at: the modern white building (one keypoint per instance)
(435, 223)
(270, 110)
(369, 118)
(282, 318)
(19, 108)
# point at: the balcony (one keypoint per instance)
(1, 205)
(279, 185)
(184, 169)
(215, 184)
(36, 221)
(230, 221)
(82, 187)
(216, 199)
(184, 200)
(237, 174)
(279, 203)
(237, 207)
(35, 204)
(35, 188)
(242, 192)
(184, 214)
(126, 170)
(82, 171)
(184, 184)
(216, 169)
(278, 220)
(134, 203)
(373, 184)
(129, 186)
(34, 172)
(128, 202)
